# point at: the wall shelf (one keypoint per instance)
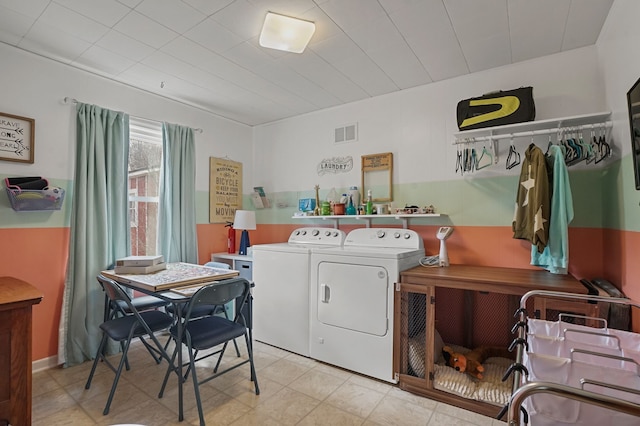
(368, 218)
(533, 128)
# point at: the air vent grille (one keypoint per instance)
(346, 133)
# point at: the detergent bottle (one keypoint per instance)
(231, 238)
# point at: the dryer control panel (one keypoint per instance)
(384, 237)
(323, 236)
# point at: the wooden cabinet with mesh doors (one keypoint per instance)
(469, 306)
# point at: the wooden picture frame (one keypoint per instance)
(17, 137)
(377, 175)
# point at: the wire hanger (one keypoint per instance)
(513, 159)
(484, 154)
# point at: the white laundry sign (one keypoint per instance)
(335, 165)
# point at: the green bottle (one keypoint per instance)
(369, 208)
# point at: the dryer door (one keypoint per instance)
(353, 297)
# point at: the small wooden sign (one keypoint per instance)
(16, 138)
(225, 189)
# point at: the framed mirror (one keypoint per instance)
(377, 175)
(633, 101)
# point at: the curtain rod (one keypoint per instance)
(68, 100)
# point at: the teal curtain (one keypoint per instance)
(177, 238)
(99, 226)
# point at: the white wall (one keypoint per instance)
(618, 58)
(418, 124)
(35, 87)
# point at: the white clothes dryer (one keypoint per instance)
(281, 292)
(352, 298)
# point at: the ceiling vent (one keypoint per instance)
(347, 133)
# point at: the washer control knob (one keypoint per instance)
(296, 233)
(336, 234)
(380, 234)
(396, 235)
(327, 233)
(304, 232)
(315, 232)
(407, 236)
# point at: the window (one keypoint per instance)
(145, 161)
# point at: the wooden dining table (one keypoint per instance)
(176, 285)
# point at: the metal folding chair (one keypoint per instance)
(124, 329)
(204, 333)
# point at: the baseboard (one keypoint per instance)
(44, 364)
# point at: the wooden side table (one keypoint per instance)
(16, 300)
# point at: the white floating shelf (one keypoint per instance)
(368, 218)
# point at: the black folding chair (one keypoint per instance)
(124, 329)
(115, 308)
(207, 332)
(207, 310)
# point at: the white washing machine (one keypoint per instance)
(281, 292)
(352, 298)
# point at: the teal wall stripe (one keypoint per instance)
(603, 197)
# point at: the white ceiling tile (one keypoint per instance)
(534, 32)
(107, 12)
(103, 61)
(294, 9)
(353, 13)
(363, 72)
(586, 18)
(166, 63)
(209, 7)
(125, 45)
(482, 28)
(13, 25)
(187, 50)
(314, 68)
(337, 48)
(73, 23)
(427, 29)
(48, 41)
(213, 36)
(241, 18)
(173, 14)
(382, 42)
(145, 30)
(32, 8)
(130, 3)
(248, 56)
(401, 65)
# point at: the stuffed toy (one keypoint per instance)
(471, 362)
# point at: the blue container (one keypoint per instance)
(306, 204)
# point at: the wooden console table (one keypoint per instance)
(16, 299)
(471, 281)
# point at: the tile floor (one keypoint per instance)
(294, 391)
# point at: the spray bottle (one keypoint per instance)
(231, 238)
(369, 205)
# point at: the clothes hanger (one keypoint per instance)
(591, 153)
(513, 159)
(459, 164)
(604, 150)
(484, 154)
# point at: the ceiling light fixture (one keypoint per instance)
(285, 33)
